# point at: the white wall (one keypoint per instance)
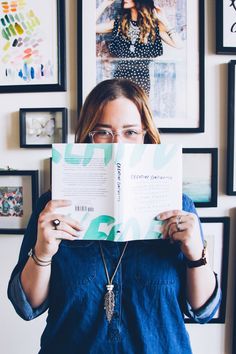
(17, 336)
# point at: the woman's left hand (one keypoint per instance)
(183, 227)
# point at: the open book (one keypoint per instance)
(117, 190)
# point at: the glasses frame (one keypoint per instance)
(114, 133)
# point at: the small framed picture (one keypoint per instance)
(225, 26)
(41, 127)
(231, 155)
(18, 195)
(200, 184)
(216, 233)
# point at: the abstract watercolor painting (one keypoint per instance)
(18, 194)
(29, 48)
(176, 90)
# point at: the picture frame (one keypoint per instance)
(19, 191)
(231, 143)
(32, 47)
(201, 184)
(225, 27)
(177, 100)
(41, 127)
(216, 233)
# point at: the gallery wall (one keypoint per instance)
(18, 336)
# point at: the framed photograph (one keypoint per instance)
(171, 71)
(18, 195)
(32, 46)
(41, 127)
(231, 150)
(216, 233)
(200, 184)
(225, 26)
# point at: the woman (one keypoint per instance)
(153, 282)
(136, 37)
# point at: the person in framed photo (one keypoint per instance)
(137, 37)
(114, 297)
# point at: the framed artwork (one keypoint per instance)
(231, 153)
(41, 127)
(172, 76)
(200, 174)
(32, 46)
(18, 195)
(216, 233)
(225, 26)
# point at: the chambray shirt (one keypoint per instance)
(150, 296)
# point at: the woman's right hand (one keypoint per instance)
(49, 238)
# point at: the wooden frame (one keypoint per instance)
(200, 179)
(18, 194)
(187, 116)
(41, 127)
(32, 47)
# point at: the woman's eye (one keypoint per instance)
(103, 133)
(131, 132)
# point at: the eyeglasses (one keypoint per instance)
(107, 136)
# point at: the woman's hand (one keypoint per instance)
(49, 237)
(185, 228)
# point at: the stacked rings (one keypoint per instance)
(178, 221)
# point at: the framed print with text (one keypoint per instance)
(200, 175)
(169, 66)
(216, 233)
(42, 127)
(32, 46)
(18, 195)
(225, 26)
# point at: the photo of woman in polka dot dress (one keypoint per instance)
(137, 32)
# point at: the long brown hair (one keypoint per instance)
(147, 20)
(110, 90)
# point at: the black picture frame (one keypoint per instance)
(220, 266)
(225, 27)
(197, 179)
(20, 190)
(231, 144)
(41, 127)
(26, 74)
(195, 121)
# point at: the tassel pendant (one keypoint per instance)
(109, 302)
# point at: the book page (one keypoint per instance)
(117, 190)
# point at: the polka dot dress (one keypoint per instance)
(135, 61)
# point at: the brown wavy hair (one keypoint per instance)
(110, 90)
(147, 20)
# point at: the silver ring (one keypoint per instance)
(56, 223)
(178, 221)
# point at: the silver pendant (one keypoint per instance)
(132, 48)
(109, 302)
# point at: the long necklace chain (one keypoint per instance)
(133, 34)
(109, 299)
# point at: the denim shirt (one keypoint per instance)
(150, 296)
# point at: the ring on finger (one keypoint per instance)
(56, 223)
(178, 222)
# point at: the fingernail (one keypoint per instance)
(158, 217)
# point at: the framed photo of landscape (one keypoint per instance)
(175, 75)
(200, 179)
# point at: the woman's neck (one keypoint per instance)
(134, 14)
